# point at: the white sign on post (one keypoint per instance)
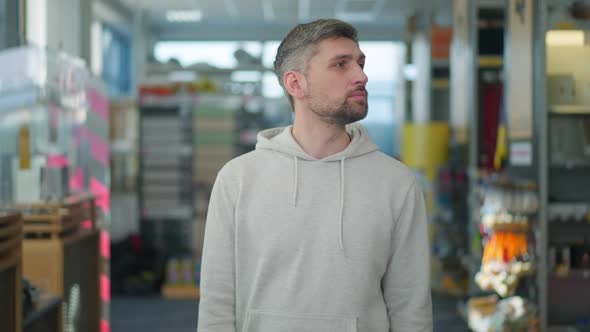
(521, 154)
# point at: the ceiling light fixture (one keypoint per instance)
(184, 15)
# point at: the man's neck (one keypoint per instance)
(318, 138)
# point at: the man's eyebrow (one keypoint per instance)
(346, 57)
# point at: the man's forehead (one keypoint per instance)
(340, 46)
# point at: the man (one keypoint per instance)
(317, 230)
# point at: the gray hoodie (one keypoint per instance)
(294, 244)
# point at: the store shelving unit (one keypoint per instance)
(166, 190)
(564, 169)
(478, 80)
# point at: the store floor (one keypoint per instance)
(154, 314)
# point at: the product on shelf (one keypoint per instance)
(505, 221)
(506, 211)
(565, 212)
(511, 314)
(505, 261)
(183, 277)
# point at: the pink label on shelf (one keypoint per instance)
(98, 103)
(105, 245)
(105, 288)
(105, 326)
(103, 198)
(77, 180)
(57, 161)
(87, 224)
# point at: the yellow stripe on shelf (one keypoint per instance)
(440, 83)
(564, 25)
(490, 61)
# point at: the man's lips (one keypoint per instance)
(359, 94)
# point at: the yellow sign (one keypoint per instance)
(24, 147)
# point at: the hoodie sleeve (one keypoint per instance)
(406, 284)
(217, 303)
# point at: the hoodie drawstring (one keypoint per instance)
(341, 212)
(295, 180)
(341, 220)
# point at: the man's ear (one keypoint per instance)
(295, 84)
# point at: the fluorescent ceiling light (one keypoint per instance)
(184, 15)
(565, 38)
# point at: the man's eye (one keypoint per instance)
(362, 64)
(340, 64)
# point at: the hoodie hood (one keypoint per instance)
(281, 140)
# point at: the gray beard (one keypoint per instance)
(342, 115)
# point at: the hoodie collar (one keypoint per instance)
(281, 140)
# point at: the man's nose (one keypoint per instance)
(360, 76)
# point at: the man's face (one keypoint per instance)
(335, 88)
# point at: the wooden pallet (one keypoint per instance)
(57, 219)
(11, 236)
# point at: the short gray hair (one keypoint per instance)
(300, 45)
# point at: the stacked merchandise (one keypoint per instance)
(507, 217)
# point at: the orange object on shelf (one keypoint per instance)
(441, 42)
(505, 247)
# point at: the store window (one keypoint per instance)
(218, 54)
(116, 60)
